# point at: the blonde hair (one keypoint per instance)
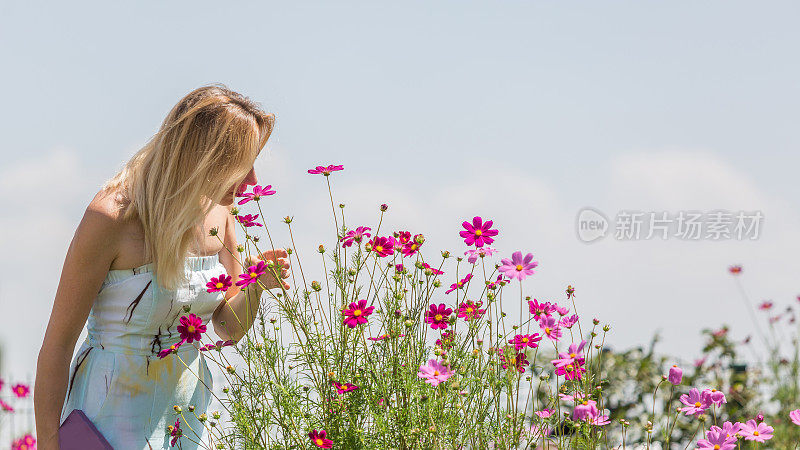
(207, 143)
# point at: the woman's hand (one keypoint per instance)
(281, 259)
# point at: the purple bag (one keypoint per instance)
(79, 433)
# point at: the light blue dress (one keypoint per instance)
(117, 378)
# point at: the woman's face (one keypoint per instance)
(249, 180)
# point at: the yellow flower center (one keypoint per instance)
(519, 267)
(469, 310)
(572, 355)
(478, 232)
(524, 340)
(755, 433)
(547, 330)
(190, 328)
(717, 447)
(568, 368)
(253, 274)
(413, 246)
(697, 404)
(357, 312)
(379, 248)
(319, 441)
(438, 317)
(219, 285)
(436, 373)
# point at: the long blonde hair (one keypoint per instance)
(207, 143)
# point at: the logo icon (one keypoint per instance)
(591, 225)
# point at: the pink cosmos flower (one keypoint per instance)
(568, 322)
(714, 396)
(382, 246)
(544, 414)
(518, 267)
(411, 247)
(220, 283)
(176, 432)
(568, 398)
(171, 349)
(27, 442)
(523, 341)
(561, 310)
(470, 310)
(355, 236)
(434, 372)
(585, 410)
(319, 438)
(478, 232)
(717, 440)
(474, 253)
(550, 327)
(460, 284)
(600, 420)
(342, 388)
(191, 327)
(572, 355)
(500, 281)
(437, 316)
(728, 429)
(325, 170)
(357, 314)
(765, 305)
(252, 273)
(248, 220)
(695, 403)
(760, 432)
(425, 266)
(795, 416)
(675, 375)
(446, 341)
(572, 371)
(20, 390)
(218, 345)
(540, 309)
(257, 193)
(398, 268)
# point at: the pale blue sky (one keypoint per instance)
(519, 111)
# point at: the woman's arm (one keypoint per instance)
(90, 254)
(235, 315)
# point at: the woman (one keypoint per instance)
(140, 257)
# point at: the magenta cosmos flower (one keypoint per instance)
(249, 220)
(460, 284)
(714, 396)
(756, 432)
(319, 438)
(569, 321)
(551, 327)
(717, 440)
(355, 236)
(795, 416)
(342, 388)
(695, 403)
(20, 390)
(257, 193)
(411, 247)
(325, 170)
(675, 375)
(478, 232)
(252, 273)
(221, 283)
(434, 372)
(191, 327)
(572, 355)
(585, 410)
(523, 341)
(171, 349)
(382, 246)
(218, 345)
(470, 310)
(175, 432)
(357, 314)
(437, 316)
(518, 267)
(425, 266)
(540, 310)
(519, 361)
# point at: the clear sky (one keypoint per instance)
(521, 112)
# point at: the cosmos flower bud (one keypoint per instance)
(675, 375)
(287, 220)
(595, 321)
(191, 408)
(214, 231)
(234, 211)
(215, 414)
(316, 286)
(341, 205)
(187, 308)
(230, 369)
(384, 207)
(321, 248)
(240, 248)
(177, 408)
